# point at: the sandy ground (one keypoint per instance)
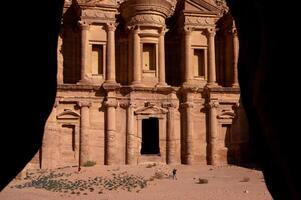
(149, 182)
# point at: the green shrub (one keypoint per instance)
(89, 163)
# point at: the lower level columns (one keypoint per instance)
(171, 140)
(110, 133)
(130, 135)
(84, 150)
(188, 106)
(213, 132)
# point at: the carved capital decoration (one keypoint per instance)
(111, 103)
(187, 30)
(163, 30)
(169, 105)
(187, 105)
(234, 31)
(84, 104)
(134, 28)
(211, 32)
(111, 26)
(213, 104)
(126, 105)
(83, 25)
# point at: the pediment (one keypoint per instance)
(150, 110)
(68, 114)
(200, 6)
(226, 115)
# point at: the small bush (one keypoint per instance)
(202, 181)
(89, 163)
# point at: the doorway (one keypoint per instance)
(150, 136)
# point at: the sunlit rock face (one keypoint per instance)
(145, 81)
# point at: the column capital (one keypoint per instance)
(163, 30)
(84, 104)
(111, 26)
(213, 104)
(134, 28)
(169, 105)
(187, 105)
(111, 103)
(187, 29)
(126, 105)
(83, 25)
(211, 32)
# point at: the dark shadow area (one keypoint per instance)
(150, 136)
(267, 66)
(71, 46)
(29, 86)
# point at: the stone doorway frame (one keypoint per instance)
(146, 112)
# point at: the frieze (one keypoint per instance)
(199, 21)
(97, 2)
(99, 15)
(147, 20)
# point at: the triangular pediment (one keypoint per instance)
(150, 110)
(200, 6)
(68, 114)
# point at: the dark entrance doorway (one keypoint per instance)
(150, 136)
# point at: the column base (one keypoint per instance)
(235, 85)
(137, 84)
(212, 85)
(111, 81)
(162, 84)
(84, 81)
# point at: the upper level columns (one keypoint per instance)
(162, 57)
(235, 57)
(188, 74)
(84, 47)
(110, 70)
(136, 56)
(211, 57)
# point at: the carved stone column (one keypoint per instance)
(213, 132)
(171, 140)
(211, 57)
(60, 60)
(84, 149)
(162, 57)
(110, 137)
(110, 70)
(130, 135)
(235, 57)
(84, 47)
(189, 133)
(136, 57)
(188, 68)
